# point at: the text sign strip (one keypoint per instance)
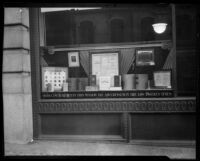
(108, 94)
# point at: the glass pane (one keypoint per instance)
(186, 27)
(84, 51)
(106, 25)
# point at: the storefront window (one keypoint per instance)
(104, 53)
(186, 27)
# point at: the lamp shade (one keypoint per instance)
(159, 27)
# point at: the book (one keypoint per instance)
(91, 88)
(92, 80)
(82, 83)
(65, 86)
(117, 81)
(115, 88)
(72, 84)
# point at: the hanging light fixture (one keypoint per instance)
(159, 28)
(160, 24)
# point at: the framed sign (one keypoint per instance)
(162, 79)
(53, 78)
(105, 64)
(145, 57)
(73, 59)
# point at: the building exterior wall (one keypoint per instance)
(16, 77)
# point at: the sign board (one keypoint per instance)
(162, 79)
(105, 64)
(109, 94)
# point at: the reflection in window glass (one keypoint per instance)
(146, 28)
(117, 30)
(86, 32)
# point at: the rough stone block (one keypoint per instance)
(16, 83)
(16, 37)
(17, 118)
(16, 60)
(16, 15)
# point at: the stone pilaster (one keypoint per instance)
(16, 77)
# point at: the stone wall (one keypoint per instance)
(16, 77)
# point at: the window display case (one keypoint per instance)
(107, 62)
(140, 89)
(108, 74)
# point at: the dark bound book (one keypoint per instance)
(83, 82)
(117, 81)
(72, 84)
(92, 80)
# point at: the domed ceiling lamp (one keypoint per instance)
(159, 28)
(160, 24)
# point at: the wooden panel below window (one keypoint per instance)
(81, 124)
(163, 126)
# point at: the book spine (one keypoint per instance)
(92, 80)
(117, 81)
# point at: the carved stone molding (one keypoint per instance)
(117, 106)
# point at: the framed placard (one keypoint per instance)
(105, 64)
(145, 57)
(162, 79)
(53, 78)
(73, 59)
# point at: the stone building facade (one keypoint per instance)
(16, 77)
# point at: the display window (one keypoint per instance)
(106, 53)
